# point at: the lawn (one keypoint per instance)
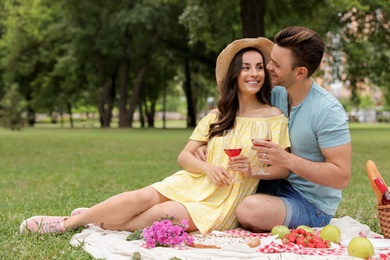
(53, 171)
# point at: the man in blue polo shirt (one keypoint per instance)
(320, 156)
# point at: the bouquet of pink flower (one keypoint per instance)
(167, 231)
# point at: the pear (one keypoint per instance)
(361, 247)
(331, 233)
(280, 231)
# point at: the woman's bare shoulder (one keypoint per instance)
(273, 111)
(214, 111)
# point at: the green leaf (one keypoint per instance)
(136, 235)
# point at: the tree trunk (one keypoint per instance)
(124, 117)
(139, 79)
(106, 102)
(141, 115)
(191, 110)
(62, 119)
(164, 104)
(69, 107)
(150, 115)
(135, 93)
(252, 18)
(30, 111)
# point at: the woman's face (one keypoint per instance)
(251, 77)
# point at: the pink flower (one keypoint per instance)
(167, 232)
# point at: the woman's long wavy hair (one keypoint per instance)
(228, 104)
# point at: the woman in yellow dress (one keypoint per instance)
(206, 193)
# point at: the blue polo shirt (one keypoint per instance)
(318, 122)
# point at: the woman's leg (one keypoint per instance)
(119, 208)
(147, 217)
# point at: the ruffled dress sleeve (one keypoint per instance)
(201, 131)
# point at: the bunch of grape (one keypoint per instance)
(306, 239)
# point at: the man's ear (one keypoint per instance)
(301, 72)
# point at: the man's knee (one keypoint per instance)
(244, 211)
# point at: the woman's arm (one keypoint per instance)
(189, 162)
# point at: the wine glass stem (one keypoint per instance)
(261, 170)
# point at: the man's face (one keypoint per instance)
(280, 66)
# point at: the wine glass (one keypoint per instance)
(231, 144)
(260, 130)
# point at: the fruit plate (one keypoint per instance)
(378, 243)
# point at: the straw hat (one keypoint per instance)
(226, 56)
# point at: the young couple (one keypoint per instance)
(304, 184)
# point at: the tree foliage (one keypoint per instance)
(12, 106)
(132, 54)
(366, 44)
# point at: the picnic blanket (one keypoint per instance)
(105, 244)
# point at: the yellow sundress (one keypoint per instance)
(212, 207)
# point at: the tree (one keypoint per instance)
(20, 45)
(366, 47)
(12, 106)
(97, 47)
(125, 53)
(366, 42)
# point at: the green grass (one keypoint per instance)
(52, 171)
(369, 142)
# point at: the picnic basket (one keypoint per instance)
(383, 210)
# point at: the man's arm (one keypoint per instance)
(335, 172)
(201, 153)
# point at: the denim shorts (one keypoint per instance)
(298, 210)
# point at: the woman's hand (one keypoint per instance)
(219, 175)
(240, 163)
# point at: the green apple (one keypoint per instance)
(331, 233)
(280, 231)
(306, 228)
(361, 247)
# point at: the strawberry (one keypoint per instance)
(310, 245)
(306, 239)
(291, 238)
(301, 231)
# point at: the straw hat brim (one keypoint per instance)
(226, 56)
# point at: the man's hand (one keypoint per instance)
(271, 153)
(201, 153)
(334, 172)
